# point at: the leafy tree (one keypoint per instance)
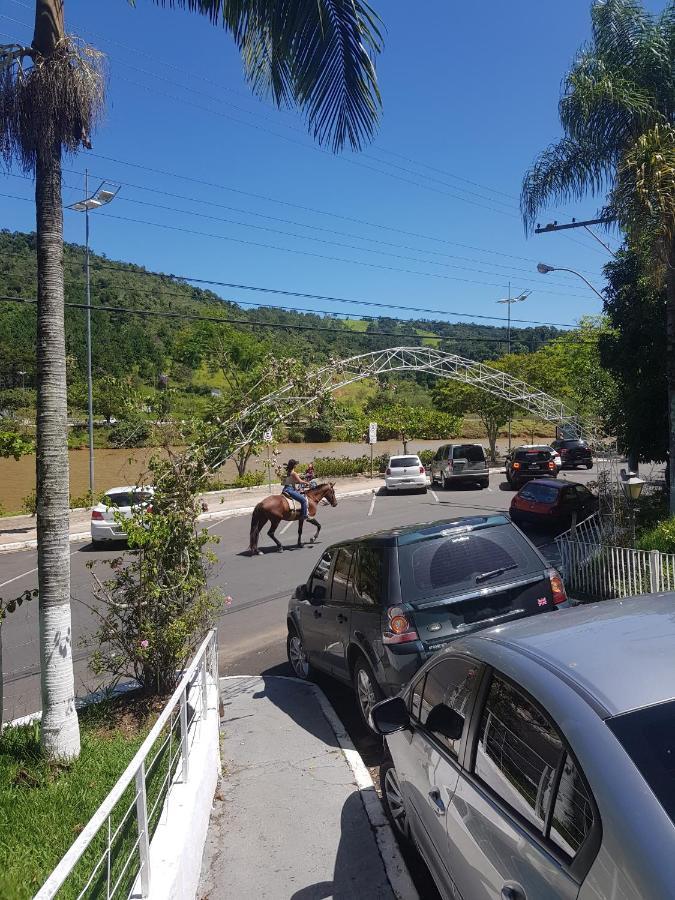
(14, 444)
(618, 111)
(51, 94)
(457, 398)
(114, 398)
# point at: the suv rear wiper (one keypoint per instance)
(493, 574)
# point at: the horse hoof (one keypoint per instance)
(280, 549)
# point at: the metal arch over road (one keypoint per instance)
(282, 404)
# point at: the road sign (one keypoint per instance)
(372, 433)
(268, 437)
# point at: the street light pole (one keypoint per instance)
(544, 269)
(509, 301)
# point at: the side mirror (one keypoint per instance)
(318, 594)
(301, 592)
(446, 722)
(390, 715)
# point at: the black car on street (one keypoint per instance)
(574, 453)
(530, 462)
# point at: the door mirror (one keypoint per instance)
(390, 716)
(301, 592)
(318, 594)
(446, 722)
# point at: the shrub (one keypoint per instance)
(319, 431)
(426, 456)
(129, 433)
(29, 503)
(78, 439)
(249, 479)
(296, 435)
(86, 500)
(661, 537)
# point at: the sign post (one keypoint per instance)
(372, 439)
(268, 437)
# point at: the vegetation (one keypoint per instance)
(660, 537)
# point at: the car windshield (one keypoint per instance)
(461, 559)
(470, 452)
(648, 736)
(539, 493)
(400, 462)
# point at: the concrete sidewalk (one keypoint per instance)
(296, 816)
(19, 532)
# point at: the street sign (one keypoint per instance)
(268, 437)
(372, 433)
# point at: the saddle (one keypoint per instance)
(293, 507)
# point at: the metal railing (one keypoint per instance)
(112, 851)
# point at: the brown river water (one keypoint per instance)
(119, 467)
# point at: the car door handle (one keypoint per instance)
(436, 802)
(513, 891)
(341, 617)
(317, 614)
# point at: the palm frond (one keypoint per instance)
(315, 54)
(565, 171)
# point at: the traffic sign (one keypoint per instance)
(372, 433)
(268, 437)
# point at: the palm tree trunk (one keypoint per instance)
(60, 733)
(670, 370)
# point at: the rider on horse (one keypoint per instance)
(292, 478)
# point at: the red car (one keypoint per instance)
(546, 501)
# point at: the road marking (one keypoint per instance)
(29, 572)
(434, 495)
(372, 505)
(286, 526)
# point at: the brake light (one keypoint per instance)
(422, 470)
(449, 463)
(516, 465)
(557, 586)
(400, 630)
(148, 509)
(96, 515)
(388, 472)
(551, 465)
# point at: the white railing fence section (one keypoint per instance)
(113, 849)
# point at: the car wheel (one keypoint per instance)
(589, 465)
(393, 799)
(367, 689)
(484, 484)
(423, 490)
(297, 656)
(446, 484)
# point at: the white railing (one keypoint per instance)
(110, 854)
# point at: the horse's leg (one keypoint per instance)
(301, 522)
(274, 524)
(316, 524)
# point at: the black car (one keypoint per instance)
(573, 453)
(530, 462)
(374, 609)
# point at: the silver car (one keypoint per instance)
(536, 759)
(460, 464)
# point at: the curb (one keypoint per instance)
(204, 517)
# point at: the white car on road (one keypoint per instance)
(405, 473)
(118, 502)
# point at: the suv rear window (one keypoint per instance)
(534, 454)
(539, 493)
(459, 560)
(470, 452)
(399, 462)
(573, 445)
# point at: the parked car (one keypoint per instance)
(405, 473)
(530, 462)
(554, 503)
(574, 453)
(118, 502)
(374, 609)
(460, 464)
(535, 759)
(554, 453)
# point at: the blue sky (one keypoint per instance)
(470, 96)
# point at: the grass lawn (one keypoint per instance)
(44, 807)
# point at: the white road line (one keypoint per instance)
(434, 495)
(372, 505)
(286, 526)
(29, 572)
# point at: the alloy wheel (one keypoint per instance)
(395, 803)
(298, 657)
(366, 692)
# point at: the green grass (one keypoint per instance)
(360, 325)
(44, 807)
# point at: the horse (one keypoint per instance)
(275, 509)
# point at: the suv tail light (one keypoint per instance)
(388, 471)
(422, 470)
(557, 586)
(551, 465)
(516, 465)
(400, 630)
(96, 515)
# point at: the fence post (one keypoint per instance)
(184, 743)
(143, 835)
(654, 571)
(204, 689)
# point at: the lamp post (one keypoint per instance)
(543, 269)
(632, 485)
(23, 379)
(105, 194)
(509, 302)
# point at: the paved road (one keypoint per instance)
(252, 631)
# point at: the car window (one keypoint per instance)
(582, 493)
(534, 454)
(320, 573)
(539, 493)
(368, 577)
(399, 462)
(573, 445)
(118, 500)
(416, 697)
(518, 752)
(470, 452)
(343, 564)
(573, 811)
(451, 682)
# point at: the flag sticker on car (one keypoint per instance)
(542, 601)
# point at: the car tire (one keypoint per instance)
(393, 800)
(515, 484)
(484, 484)
(589, 465)
(422, 490)
(446, 484)
(368, 691)
(297, 656)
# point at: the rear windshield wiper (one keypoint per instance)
(493, 574)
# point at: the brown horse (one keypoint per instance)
(275, 509)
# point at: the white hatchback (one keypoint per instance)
(118, 502)
(405, 473)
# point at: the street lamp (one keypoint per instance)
(23, 379)
(543, 269)
(105, 194)
(632, 485)
(510, 301)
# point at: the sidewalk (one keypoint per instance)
(19, 532)
(296, 816)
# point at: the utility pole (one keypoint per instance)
(509, 301)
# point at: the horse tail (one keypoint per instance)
(257, 522)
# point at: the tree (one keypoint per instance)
(114, 398)
(617, 111)
(457, 399)
(316, 55)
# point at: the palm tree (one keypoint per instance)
(315, 54)
(617, 111)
